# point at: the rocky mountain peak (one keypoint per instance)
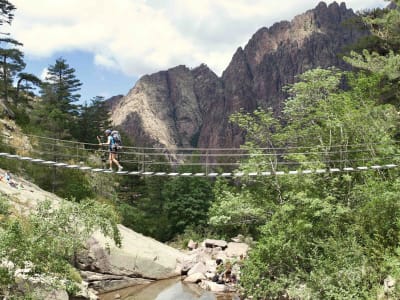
(191, 107)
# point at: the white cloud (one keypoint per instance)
(107, 62)
(143, 36)
(44, 74)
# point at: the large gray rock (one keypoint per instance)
(139, 256)
(40, 288)
(215, 287)
(195, 278)
(52, 295)
(236, 249)
(215, 243)
(105, 282)
(200, 267)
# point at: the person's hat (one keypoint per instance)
(108, 131)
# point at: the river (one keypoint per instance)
(169, 289)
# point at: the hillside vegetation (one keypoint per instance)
(325, 235)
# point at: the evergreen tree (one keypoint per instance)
(186, 203)
(383, 57)
(6, 12)
(64, 86)
(385, 25)
(12, 62)
(26, 83)
(93, 120)
(59, 94)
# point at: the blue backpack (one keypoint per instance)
(116, 139)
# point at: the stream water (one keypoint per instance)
(169, 289)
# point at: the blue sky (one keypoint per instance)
(111, 44)
(96, 79)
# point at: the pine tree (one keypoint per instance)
(26, 83)
(63, 83)
(59, 94)
(93, 119)
(6, 12)
(12, 62)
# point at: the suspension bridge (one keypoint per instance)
(208, 162)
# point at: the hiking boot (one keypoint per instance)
(120, 168)
(110, 169)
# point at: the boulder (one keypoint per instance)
(192, 245)
(108, 285)
(106, 282)
(389, 285)
(198, 255)
(236, 249)
(195, 278)
(238, 239)
(84, 292)
(52, 295)
(211, 265)
(209, 274)
(138, 257)
(200, 267)
(41, 290)
(215, 287)
(210, 243)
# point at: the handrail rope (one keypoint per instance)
(219, 149)
(218, 154)
(75, 156)
(275, 163)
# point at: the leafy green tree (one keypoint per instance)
(150, 217)
(48, 240)
(186, 203)
(307, 246)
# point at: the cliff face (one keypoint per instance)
(190, 107)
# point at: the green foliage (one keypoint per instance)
(237, 211)
(140, 205)
(195, 233)
(186, 202)
(11, 63)
(62, 81)
(25, 86)
(58, 110)
(6, 12)
(94, 119)
(384, 24)
(325, 249)
(322, 236)
(381, 55)
(47, 241)
(388, 65)
(163, 207)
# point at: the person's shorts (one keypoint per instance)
(113, 149)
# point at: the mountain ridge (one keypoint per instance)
(182, 107)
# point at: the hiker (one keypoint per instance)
(113, 150)
(9, 180)
(8, 177)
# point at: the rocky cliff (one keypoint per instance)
(184, 107)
